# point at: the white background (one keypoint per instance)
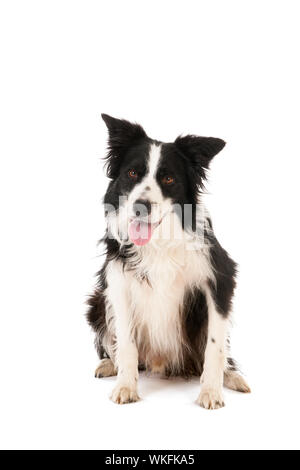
(227, 69)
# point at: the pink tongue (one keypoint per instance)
(140, 233)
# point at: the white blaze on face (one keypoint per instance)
(154, 159)
(148, 187)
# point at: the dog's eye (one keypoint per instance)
(132, 174)
(168, 180)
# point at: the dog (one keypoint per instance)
(164, 294)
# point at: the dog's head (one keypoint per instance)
(153, 184)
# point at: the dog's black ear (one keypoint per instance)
(122, 134)
(199, 150)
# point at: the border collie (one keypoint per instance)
(163, 296)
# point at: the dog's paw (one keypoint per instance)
(157, 366)
(210, 398)
(123, 394)
(106, 368)
(235, 381)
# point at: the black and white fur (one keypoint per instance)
(164, 306)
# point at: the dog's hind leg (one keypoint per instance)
(106, 368)
(235, 381)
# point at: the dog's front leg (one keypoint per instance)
(126, 356)
(211, 395)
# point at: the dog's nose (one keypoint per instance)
(142, 208)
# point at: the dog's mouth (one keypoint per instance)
(140, 231)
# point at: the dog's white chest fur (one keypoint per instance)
(156, 291)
